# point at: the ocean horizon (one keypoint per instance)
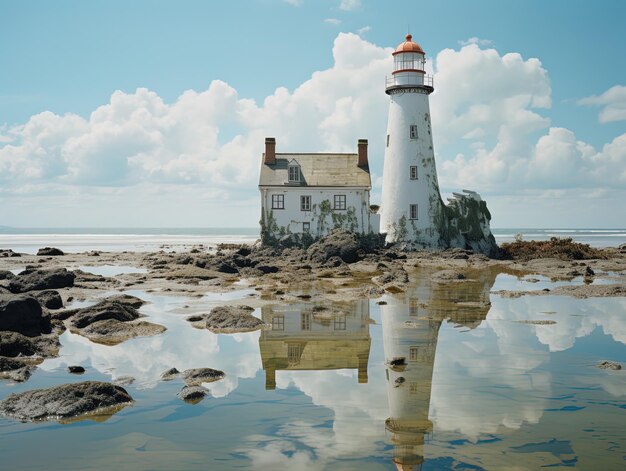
(145, 239)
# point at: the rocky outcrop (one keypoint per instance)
(197, 376)
(49, 251)
(66, 401)
(192, 394)
(609, 365)
(112, 321)
(6, 275)
(35, 279)
(13, 344)
(339, 243)
(228, 319)
(23, 314)
(9, 253)
(49, 299)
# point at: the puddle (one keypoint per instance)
(443, 376)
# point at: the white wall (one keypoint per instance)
(291, 217)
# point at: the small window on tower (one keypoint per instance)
(387, 140)
(413, 131)
(413, 211)
(413, 172)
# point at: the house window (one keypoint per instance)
(413, 172)
(294, 352)
(278, 323)
(305, 203)
(294, 172)
(413, 307)
(278, 201)
(306, 227)
(413, 211)
(412, 353)
(340, 323)
(387, 140)
(413, 131)
(340, 202)
(305, 321)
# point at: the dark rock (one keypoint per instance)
(113, 331)
(398, 275)
(609, 365)
(94, 253)
(11, 364)
(19, 375)
(49, 251)
(105, 309)
(266, 269)
(244, 251)
(23, 314)
(197, 376)
(170, 374)
(228, 319)
(448, 275)
(589, 271)
(6, 275)
(35, 279)
(127, 299)
(49, 298)
(86, 277)
(9, 253)
(65, 401)
(13, 344)
(339, 243)
(76, 369)
(192, 394)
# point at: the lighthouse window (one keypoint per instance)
(278, 201)
(305, 203)
(413, 131)
(387, 140)
(340, 202)
(413, 169)
(413, 211)
(413, 353)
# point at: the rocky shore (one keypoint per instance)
(36, 290)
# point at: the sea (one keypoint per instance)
(117, 239)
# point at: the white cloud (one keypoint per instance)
(349, 5)
(613, 102)
(363, 30)
(490, 134)
(295, 3)
(333, 21)
(477, 41)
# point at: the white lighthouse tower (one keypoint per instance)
(411, 201)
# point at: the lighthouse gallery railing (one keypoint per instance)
(426, 80)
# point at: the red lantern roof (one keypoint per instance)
(408, 46)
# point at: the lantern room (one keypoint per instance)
(409, 63)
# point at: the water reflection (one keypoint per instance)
(315, 337)
(410, 331)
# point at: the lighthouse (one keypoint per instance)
(410, 193)
(412, 211)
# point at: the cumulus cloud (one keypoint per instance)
(349, 5)
(475, 40)
(332, 21)
(613, 102)
(488, 110)
(363, 30)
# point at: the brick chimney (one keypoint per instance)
(269, 158)
(363, 153)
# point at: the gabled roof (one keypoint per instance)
(317, 170)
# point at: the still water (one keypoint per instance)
(443, 376)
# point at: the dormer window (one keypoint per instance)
(294, 172)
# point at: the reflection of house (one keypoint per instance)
(410, 328)
(315, 337)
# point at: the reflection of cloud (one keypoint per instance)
(489, 380)
(181, 346)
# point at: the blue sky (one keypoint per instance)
(73, 154)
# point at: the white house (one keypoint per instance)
(315, 193)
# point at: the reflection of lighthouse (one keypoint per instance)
(315, 337)
(410, 340)
(410, 328)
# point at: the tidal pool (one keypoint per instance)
(444, 376)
